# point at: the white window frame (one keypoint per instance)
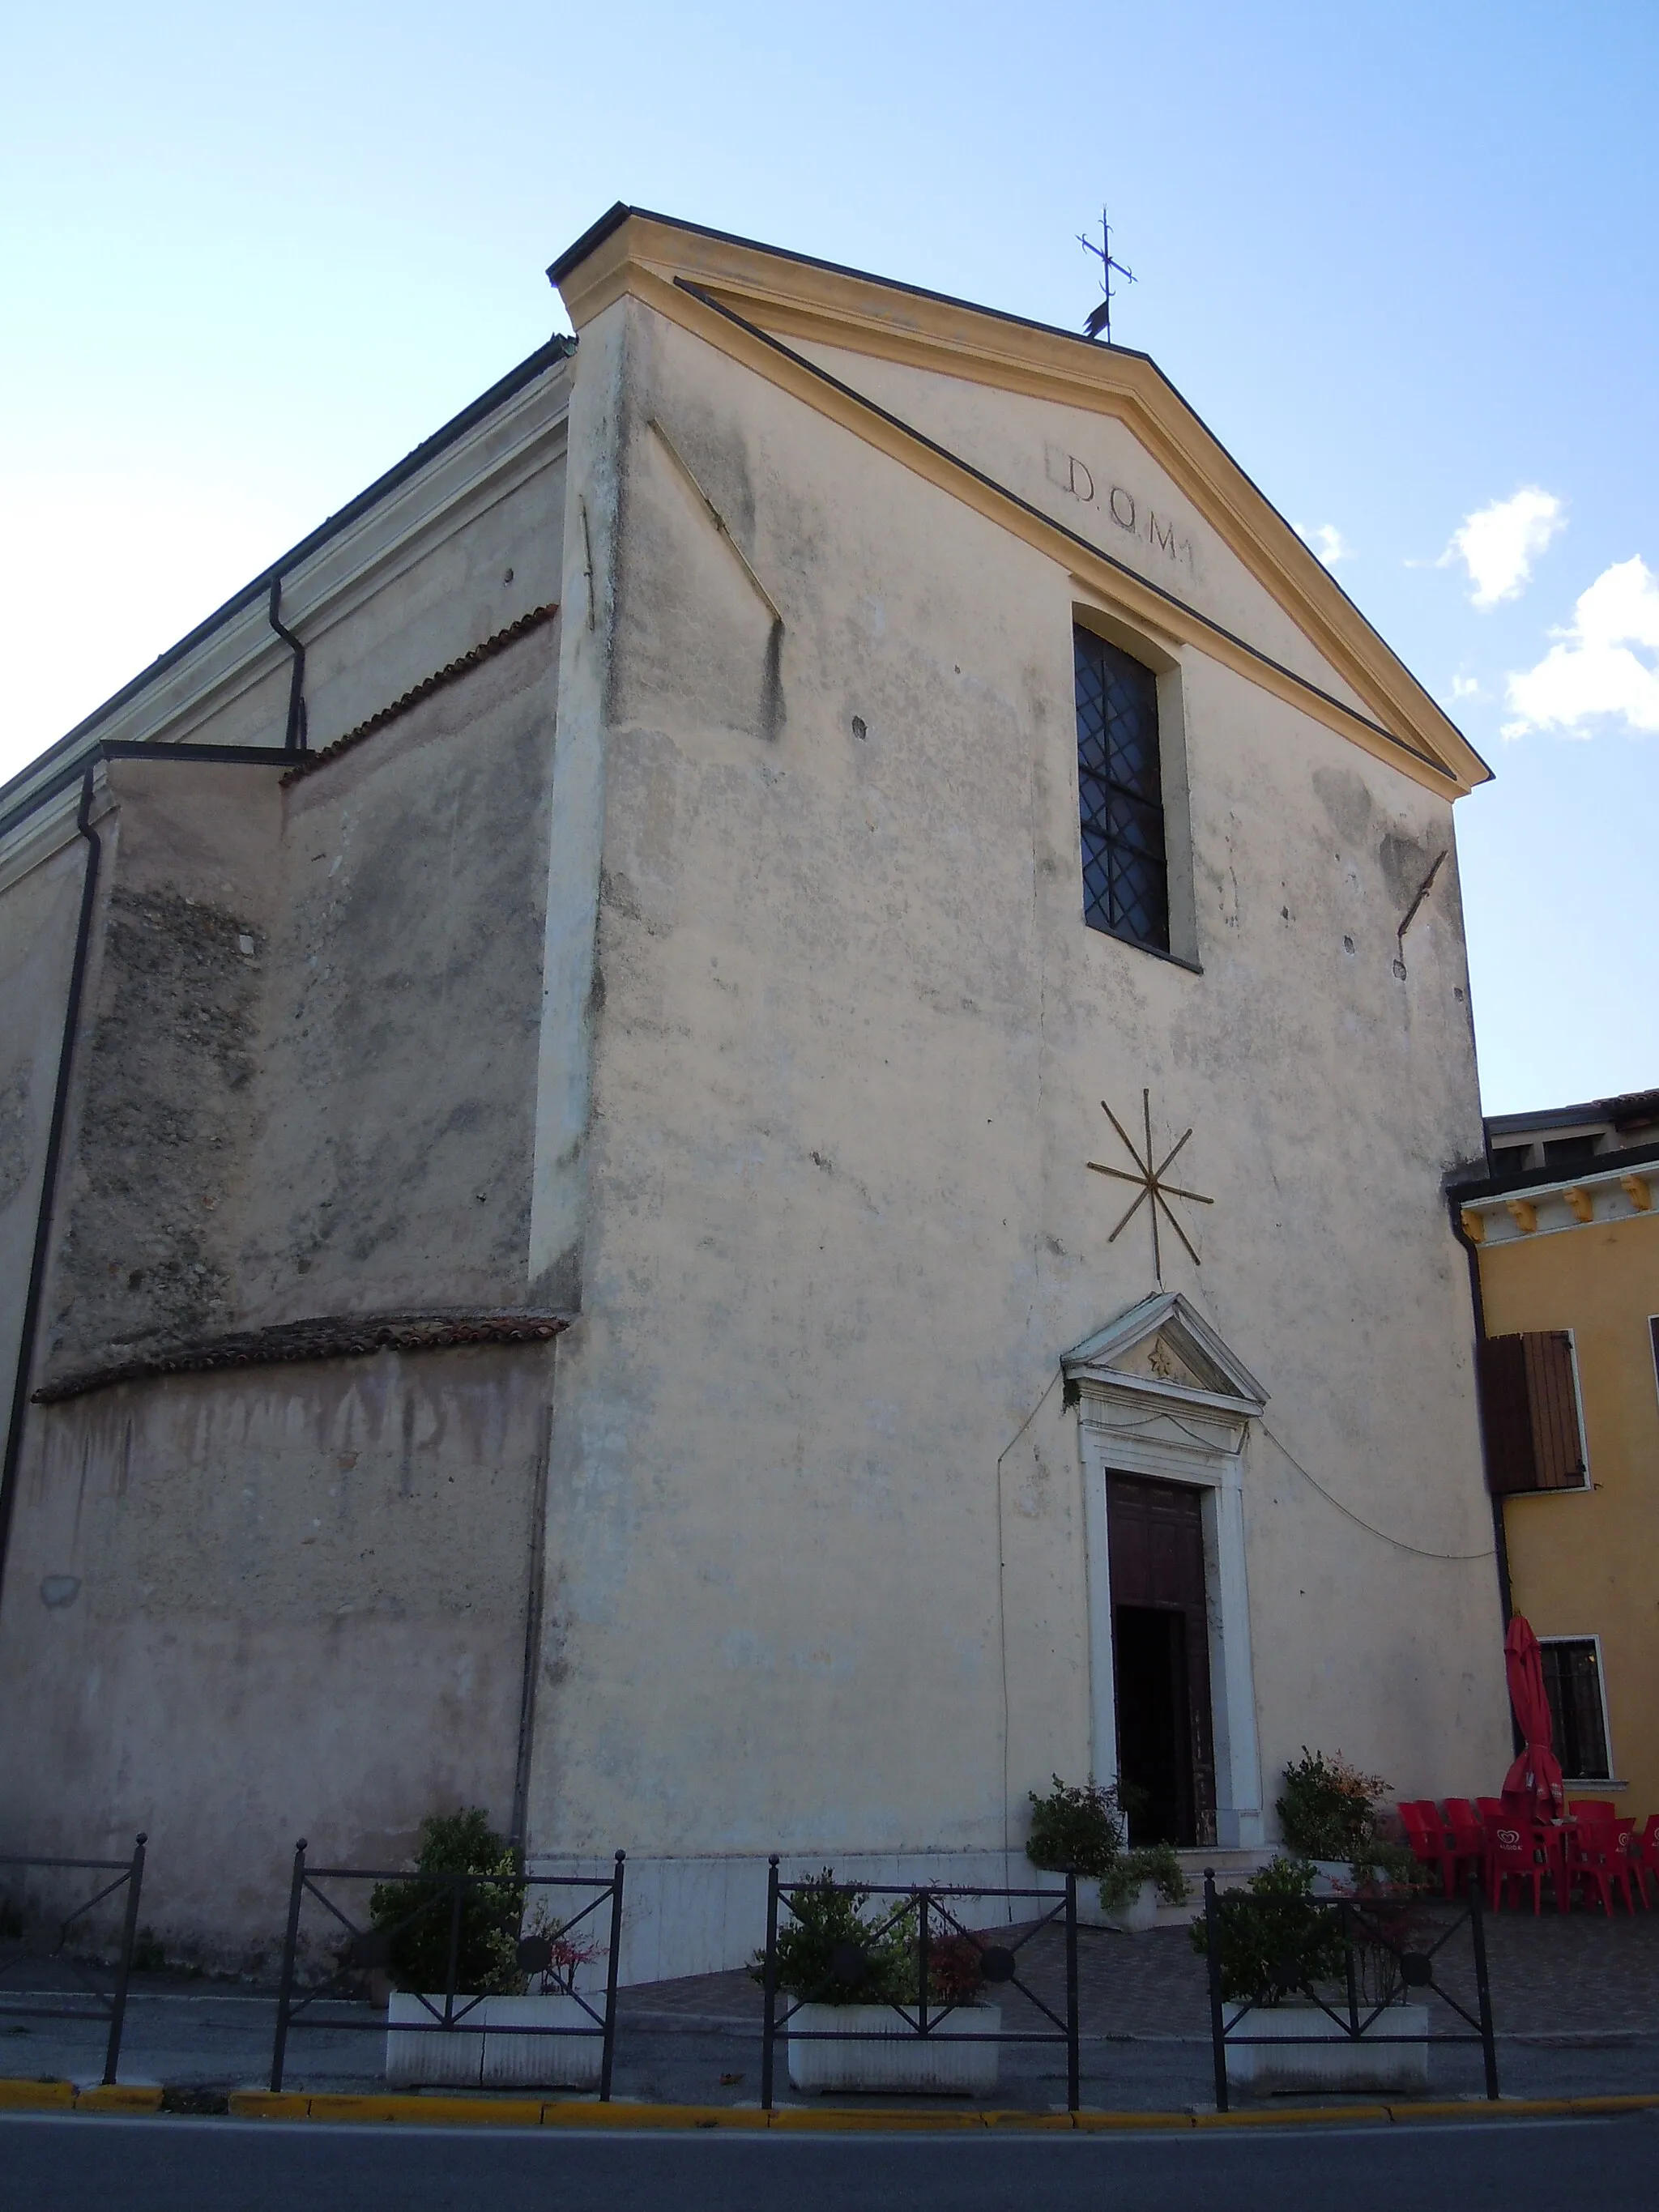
(1604, 1781)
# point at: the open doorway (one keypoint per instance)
(1161, 1660)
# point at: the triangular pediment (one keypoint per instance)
(760, 306)
(1165, 1346)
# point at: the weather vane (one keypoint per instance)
(1098, 321)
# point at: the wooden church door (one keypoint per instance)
(1161, 1659)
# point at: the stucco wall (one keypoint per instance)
(272, 1600)
(253, 1605)
(309, 1062)
(1582, 1562)
(39, 911)
(852, 1044)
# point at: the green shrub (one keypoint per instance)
(1270, 1949)
(824, 1926)
(1075, 1829)
(1154, 1863)
(1329, 1810)
(416, 1914)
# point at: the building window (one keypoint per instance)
(1530, 1414)
(1579, 1712)
(1126, 883)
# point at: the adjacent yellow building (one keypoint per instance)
(1563, 1230)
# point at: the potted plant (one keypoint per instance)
(842, 1969)
(1328, 1812)
(1135, 1885)
(1281, 1949)
(1078, 1828)
(498, 1956)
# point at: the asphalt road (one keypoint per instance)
(49, 2163)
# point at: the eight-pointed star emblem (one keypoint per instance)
(1153, 1189)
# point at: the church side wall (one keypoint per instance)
(816, 1499)
(40, 909)
(262, 1604)
(269, 1601)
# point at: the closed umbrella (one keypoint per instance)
(1536, 1775)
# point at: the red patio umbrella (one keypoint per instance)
(1536, 1775)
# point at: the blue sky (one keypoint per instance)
(1399, 256)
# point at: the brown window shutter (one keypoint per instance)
(1506, 1415)
(1553, 1394)
(1529, 1412)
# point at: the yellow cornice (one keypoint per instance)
(746, 300)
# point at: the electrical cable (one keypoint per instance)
(1399, 1542)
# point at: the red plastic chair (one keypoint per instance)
(1468, 1838)
(1430, 1846)
(1631, 1860)
(1592, 1857)
(1645, 1847)
(1593, 1807)
(1512, 1856)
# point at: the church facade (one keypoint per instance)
(726, 1128)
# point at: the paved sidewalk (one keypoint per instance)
(1576, 2002)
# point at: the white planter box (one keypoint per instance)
(1336, 2061)
(463, 2059)
(431, 2059)
(888, 2055)
(1135, 1915)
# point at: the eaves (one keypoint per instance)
(485, 454)
(1613, 1187)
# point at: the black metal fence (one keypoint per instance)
(1352, 1959)
(39, 1942)
(919, 1959)
(473, 1927)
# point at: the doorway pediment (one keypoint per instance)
(1161, 1369)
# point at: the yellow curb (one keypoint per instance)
(1482, 2108)
(1088, 2123)
(268, 2104)
(529, 2112)
(37, 2096)
(1026, 2121)
(434, 2111)
(1298, 2116)
(835, 2120)
(571, 2115)
(119, 2097)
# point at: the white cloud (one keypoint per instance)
(1465, 687)
(1592, 669)
(1497, 545)
(1328, 542)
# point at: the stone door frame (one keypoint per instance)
(1189, 1424)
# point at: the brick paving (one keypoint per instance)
(1578, 1975)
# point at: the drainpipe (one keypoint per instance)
(37, 1282)
(293, 740)
(1500, 1541)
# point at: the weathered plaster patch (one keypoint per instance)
(166, 1119)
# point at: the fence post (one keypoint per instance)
(1074, 2062)
(1478, 1932)
(123, 1971)
(1217, 2030)
(290, 1945)
(1346, 1923)
(610, 1982)
(457, 1894)
(923, 1961)
(771, 1981)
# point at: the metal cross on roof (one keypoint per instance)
(1153, 1189)
(1099, 318)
